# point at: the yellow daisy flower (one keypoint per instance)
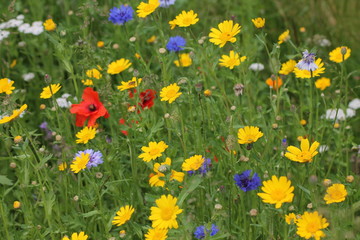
(50, 90)
(226, 33)
(249, 134)
(80, 162)
(178, 176)
(14, 115)
(144, 9)
(303, 155)
(258, 22)
(284, 36)
(172, 24)
(164, 215)
(307, 74)
(310, 225)
(118, 66)
(86, 134)
(322, 83)
(184, 60)
(155, 180)
(153, 151)
(290, 218)
(335, 194)
(49, 25)
(62, 166)
(75, 236)
(277, 191)
(156, 234)
(152, 39)
(6, 86)
(100, 44)
(93, 73)
(340, 54)
(193, 163)
(185, 19)
(170, 93)
(287, 67)
(232, 60)
(123, 215)
(133, 83)
(87, 82)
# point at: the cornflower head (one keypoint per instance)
(247, 183)
(307, 62)
(121, 14)
(201, 232)
(204, 168)
(166, 3)
(176, 44)
(95, 157)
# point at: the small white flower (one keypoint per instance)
(354, 104)
(257, 67)
(350, 112)
(335, 113)
(28, 76)
(324, 43)
(4, 34)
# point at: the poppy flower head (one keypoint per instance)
(147, 98)
(89, 109)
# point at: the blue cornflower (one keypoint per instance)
(121, 15)
(175, 44)
(95, 157)
(245, 182)
(307, 62)
(201, 231)
(205, 167)
(166, 3)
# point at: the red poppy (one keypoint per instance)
(90, 108)
(147, 98)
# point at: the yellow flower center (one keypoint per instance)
(278, 194)
(154, 151)
(231, 61)
(171, 93)
(313, 227)
(187, 21)
(336, 194)
(305, 156)
(148, 8)
(167, 213)
(225, 36)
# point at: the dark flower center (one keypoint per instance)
(92, 107)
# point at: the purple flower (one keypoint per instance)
(307, 62)
(121, 15)
(166, 3)
(201, 231)
(245, 182)
(95, 157)
(175, 44)
(205, 167)
(44, 125)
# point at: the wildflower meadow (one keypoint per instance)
(179, 119)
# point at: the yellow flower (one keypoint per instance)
(322, 83)
(50, 90)
(164, 215)
(155, 178)
(62, 166)
(87, 82)
(151, 39)
(226, 33)
(340, 54)
(232, 60)
(13, 63)
(49, 25)
(118, 66)
(303, 122)
(335, 194)
(170, 93)
(18, 139)
(153, 151)
(259, 22)
(17, 204)
(14, 115)
(138, 56)
(75, 236)
(80, 162)
(145, 9)
(310, 225)
(133, 83)
(184, 60)
(274, 83)
(303, 155)
(100, 44)
(6, 86)
(172, 24)
(185, 19)
(93, 73)
(284, 37)
(86, 134)
(249, 134)
(193, 163)
(178, 176)
(156, 234)
(290, 218)
(287, 67)
(207, 92)
(277, 191)
(307, 74)
(123, 215)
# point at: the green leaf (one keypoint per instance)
(190, 187)
(5, 181)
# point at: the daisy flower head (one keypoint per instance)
(274, 83)
(231, 60)
(123, 215)
(121, 15)
(16, 113)
(307, 62)
(323, 83)
(49, 25)
(184, 60)
(86, 134)
(6, 86)
(170, 93)
(310, 225)
(193, 163)
(153, 151)
(93, 73)
(118, 66)
(95, 157)
(201, 232)
(290, 218)
(299, 73)
(335, 194)
(340, 54)
(144, 9)
(203, 169)
(287, 67)
(305, 153)
(133, 83)
(80, 162)
(62, 166)
(249, 134)
(277, 191)
(258, 22)
(77, 236)
(284, 37)
(164, 215)
(247, 183)
(50, 90)
(156, 234)
(185, 19)
(226, 33)
(176, 44)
